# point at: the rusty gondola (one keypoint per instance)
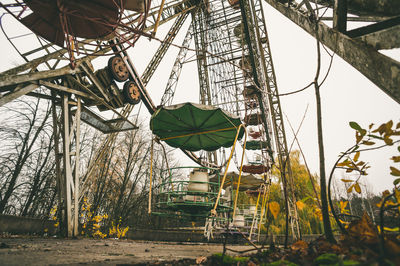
(76, 25)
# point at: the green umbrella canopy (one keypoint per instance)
(195, 127)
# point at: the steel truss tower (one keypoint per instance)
(234, 57)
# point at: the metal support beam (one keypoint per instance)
(66, 89)
(384, 39)
(266, 80)
(16, 93)
(70, 133)
(201, 44)
(340, 15)
(382, 25)
(177, 69)
(67, 171)
(9, 80)
(382, 70)
(155, 61)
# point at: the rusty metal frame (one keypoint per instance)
(382, 70)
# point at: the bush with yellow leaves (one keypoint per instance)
(92, 225)
(98, 225)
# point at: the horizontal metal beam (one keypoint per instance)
(18, 92)
(42, 96)
(66, 89)
(383, 71)
(33, 63)
(382, 25)
(367, 7)
(8, 80)
(360, 18)
(384, 39)
(105, 126)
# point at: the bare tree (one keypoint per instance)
(20, 133)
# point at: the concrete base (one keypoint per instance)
(25, 225)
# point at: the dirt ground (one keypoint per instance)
(55, 251)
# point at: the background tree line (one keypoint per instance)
(120, 185)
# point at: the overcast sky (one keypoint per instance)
(346, 95)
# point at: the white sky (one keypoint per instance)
(346, 95)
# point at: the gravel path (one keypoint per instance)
(55, 251)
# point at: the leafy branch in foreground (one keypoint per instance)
(373, 138)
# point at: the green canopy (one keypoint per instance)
(256, 145)
(195, 127)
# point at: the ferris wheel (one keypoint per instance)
(237, 93)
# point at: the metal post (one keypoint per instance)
(58, 155)
(70, 174)
(77, 159)
(67, 171)
(340, 15)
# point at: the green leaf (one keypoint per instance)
(355, 126)
(396, 181)
(306, 198)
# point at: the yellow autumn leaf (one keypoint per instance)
(394, 171)
(396, 159)
(350, 189)
(356, 156)
(346, 180)
(388, 140)
(360, 163)
(357, 188)
(318, 213)
(397, 195)
(274, 208)
(300, 205)
(390, 203)
(369, 143)
(395, 229)
(343, 205)
(359, 137)
(389, 125)
(385, 193)
(344, 163)
(381, 129)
